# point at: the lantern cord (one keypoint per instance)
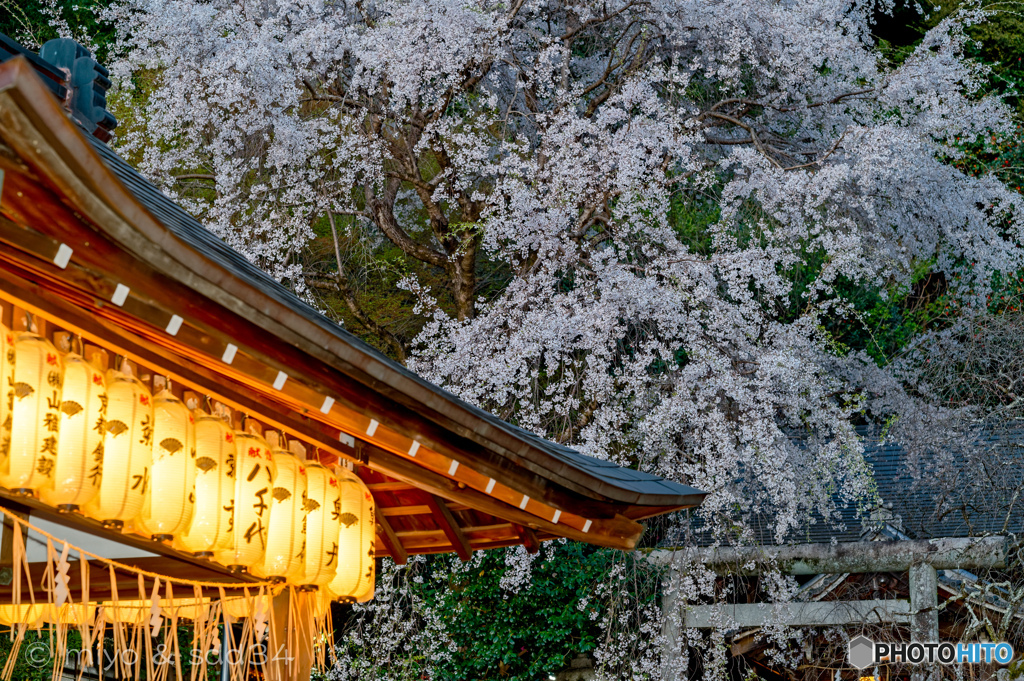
(272, 586)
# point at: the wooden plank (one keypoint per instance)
(617, 533)
(390, 511)
(430, 536)
(444, 547)
(942, 553)
(201, 361)
(390, 487)
(206, 325)
(481, 532)
(277, 413)
(391, 542)
(449, 525)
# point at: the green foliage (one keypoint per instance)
(999, 40)
(34, 661)
(522, 635)
(1001, 45)
(31, 22)
(886, 320)
(691, 217)
(1000, 154)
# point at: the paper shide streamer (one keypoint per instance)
(137, 635)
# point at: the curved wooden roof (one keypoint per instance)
(92, 245)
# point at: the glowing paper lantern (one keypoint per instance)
(83, 410)
(210, 530)
(249, 605)
(167, 509)
(33, 615)
(283, 557)
(367, 593)
(138, 611)
(71, 613)
(127, 451)
(323, 519)
(254, 482)
(321, 604)
(6, 389)
(358, 529)
(35, 414)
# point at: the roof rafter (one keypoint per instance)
(391, 541)
(528, 537)
(449, 525)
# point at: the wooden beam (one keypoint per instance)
(391, 511)
(264, 358)
(159, 267)
(295, 661)
(528, 537)
(390, 487)
(616, 533)
(126, 334)
(449, 525)
(391, 541)
(477, 546)
(79, 522)
(924, 603)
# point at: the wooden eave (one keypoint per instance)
(470, 482)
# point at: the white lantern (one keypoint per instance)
(367, 592)
(35, 414)
(32, 615)
(6, 391)
(168, 506)
(210, 529)
(79, 467)
(358, 529)
(127, 451)
(254, 482)
(283, 557)
(323, 518)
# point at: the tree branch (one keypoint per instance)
(342, 284)
(384, 217)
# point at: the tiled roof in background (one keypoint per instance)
(973, 498)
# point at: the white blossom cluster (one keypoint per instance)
(393, 633)
(572, 144)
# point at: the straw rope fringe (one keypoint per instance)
(145, 625)
(121, 566)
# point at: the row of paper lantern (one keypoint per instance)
(104, 445)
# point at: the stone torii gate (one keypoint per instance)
(921, 559)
